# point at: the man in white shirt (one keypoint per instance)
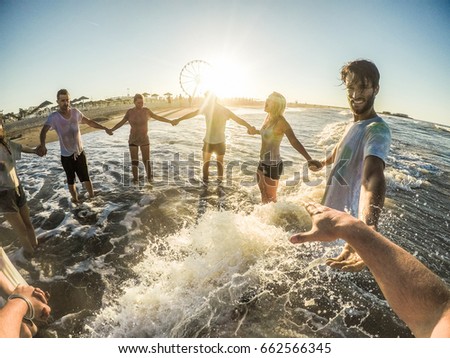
(66, 122)
(356, 183)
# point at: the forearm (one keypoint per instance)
(242, 122)
(94, 124)
(26, 149)
(43, 135)
(11, 316)
(188, 116)
(327, 161)
(420, 304)
(161, 119)
(373, 192)
(118, 125)
(301, 149)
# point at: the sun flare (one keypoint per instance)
(226, 79)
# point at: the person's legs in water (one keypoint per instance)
(134, 155)
(145, 150)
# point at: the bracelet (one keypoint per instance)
(29, 304)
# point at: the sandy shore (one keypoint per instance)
(30, 137)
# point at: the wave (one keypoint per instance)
(408, 171)
(442, 127)
(331, 134)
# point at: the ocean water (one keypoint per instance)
(178, 260)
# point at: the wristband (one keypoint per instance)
(29, 304)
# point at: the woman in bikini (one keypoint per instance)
(272, 131)
(138, 118)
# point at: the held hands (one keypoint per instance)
(41, 150)
(109, 131)
(175, 122)
(38, 300)
(252, 130)
(314, 165)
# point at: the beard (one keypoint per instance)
(367, 106)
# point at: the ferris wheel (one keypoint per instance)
(194, 77)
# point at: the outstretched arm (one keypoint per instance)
(419, 297)
(94, 124)
(373, 190)
(250, 129)
(27, 149)
(159, 118)
(187, 116)
(312, 164)
(41, 150)
(120, 124)
(330, 159)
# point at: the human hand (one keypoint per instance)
(109, 131)
(38, 298)
(252, 130)
(324, 224)
(314, 165)
(175, 122)
(41, 150)
(329, 225)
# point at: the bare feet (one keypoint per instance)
(348, 260)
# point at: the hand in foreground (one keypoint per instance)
(327, 227)
(41, 150)
(38, 299)
(314, 165)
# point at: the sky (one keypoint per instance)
(101, 49)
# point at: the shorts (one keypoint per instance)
(137, 145)
(74, 166)
(11, 200)
(218, 148)
(272, 171)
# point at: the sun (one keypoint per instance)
(226, 79)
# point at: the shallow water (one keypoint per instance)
(176, 260)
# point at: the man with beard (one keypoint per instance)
(356, 183)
